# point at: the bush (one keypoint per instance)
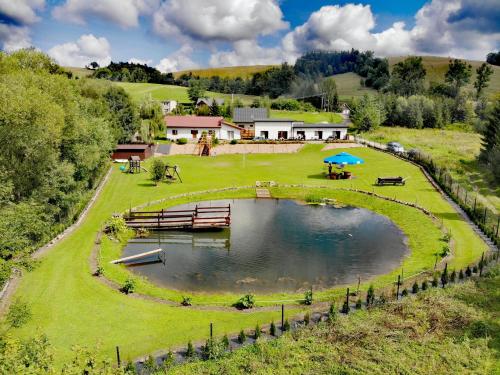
(242, 337)
(246, 302)
(461, 275)
(225, 342)
(307, 319)
(157, 170)
(257, 332)
(453, 276)
(286, 105)
(468, 272)
(479, 329)
(474, 269)
(444, 277)
(332, 313)
(212, 350)
(359, 304)
(414, 288)
(424, 285)
(128, 286)
(308, 297)
(345, 308)
(19, 314)
(286, 326)
(272, 329)
(115, 226)
(182, 141)
(190, 350)
(186, 301)
(370, 296)
(233, 141)
(99, 271)
(435, 281)
(382, 299)
(404, 293)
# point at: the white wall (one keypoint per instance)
(168, 106)
(220, 133)
(273, 128)
(310, 132)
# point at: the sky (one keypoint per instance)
(174, 35)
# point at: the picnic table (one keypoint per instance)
(390, 181)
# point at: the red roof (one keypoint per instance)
(193, 121)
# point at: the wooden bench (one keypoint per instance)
(390, 181)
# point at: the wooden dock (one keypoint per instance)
(262, 193)
(198, 218)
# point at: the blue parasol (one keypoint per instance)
(343, 158)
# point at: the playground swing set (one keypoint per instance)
(134, 166)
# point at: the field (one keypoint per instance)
(73, 307)
(308, 117)
(227, 72)
(79, 72)
(458, 153)
(165, 92)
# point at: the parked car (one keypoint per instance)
(259, 139)
(395, 147)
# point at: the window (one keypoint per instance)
(175, 132)
(211, 132)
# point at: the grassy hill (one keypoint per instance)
(349, 85)
(436, 68)
(227, 72)
(79, 72)
(164, 92)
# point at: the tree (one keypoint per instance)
(483, 74)
(157, 171)
(214, 108)
(329, 90)
(408, 77)
(94, 65)
(490, 150)
(368, 113)
(493, 58)
(458, 74)
(196, 90)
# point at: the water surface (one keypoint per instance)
(273, 246)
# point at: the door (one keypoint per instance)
(319, 134)
(337, 134)
(301, 134)
(194, 134)
(264, 134)
(282, 135)
(230, 135)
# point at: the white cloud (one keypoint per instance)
(247, 52)
(218, 20)
(21, 11)
(125, 13)
(462, 28)
(178, 60)
(86, 49)
(133, 60)
(14, 37)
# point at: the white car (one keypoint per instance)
(395, 147)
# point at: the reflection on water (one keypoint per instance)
(273, 246)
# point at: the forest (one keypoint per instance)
(56, 135)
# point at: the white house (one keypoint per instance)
(168, 106)
(287, 129)
(192, 127)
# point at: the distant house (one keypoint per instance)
(192, 127)
(168, 106)
(125, 151)
(208, 102)
(245, 117)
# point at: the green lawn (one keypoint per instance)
(456, 150)
(308, 117)
(73, 307)
(163, 92)
(349, 85)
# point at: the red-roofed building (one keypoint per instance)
(191, 127)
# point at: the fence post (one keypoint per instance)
(466, 192)
(118, 356)
(498, 225)
(211, 330)
(484, 217)
(397, 291)
(481, 262)
(347, 301)
(282, 317)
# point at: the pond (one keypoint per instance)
(273, 246)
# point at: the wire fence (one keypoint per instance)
(485, 218)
